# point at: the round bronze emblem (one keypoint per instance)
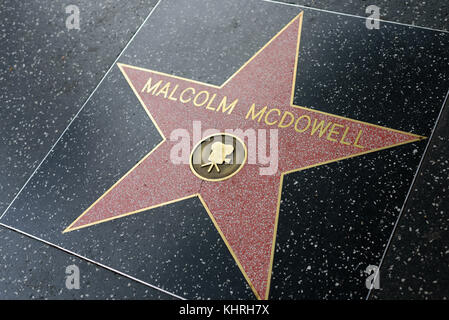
(218, 157)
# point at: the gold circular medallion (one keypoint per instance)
(218, 157)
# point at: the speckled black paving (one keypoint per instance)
(48, 71)
(415, 267)
(334, 220)
(430, 13)
(33, 270)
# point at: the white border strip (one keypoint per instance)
(355, 16)
(79, 111)
(91, 261)
(418, 170)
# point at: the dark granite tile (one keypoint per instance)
(48, 71)
(416, 264)
(33, 270)
(335, 220)
(378, 76)
(429, 14)
(206, 42)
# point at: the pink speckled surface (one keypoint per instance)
(245, 206)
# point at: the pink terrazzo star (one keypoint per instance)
(245, 207)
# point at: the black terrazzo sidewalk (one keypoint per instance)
(47, 73)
